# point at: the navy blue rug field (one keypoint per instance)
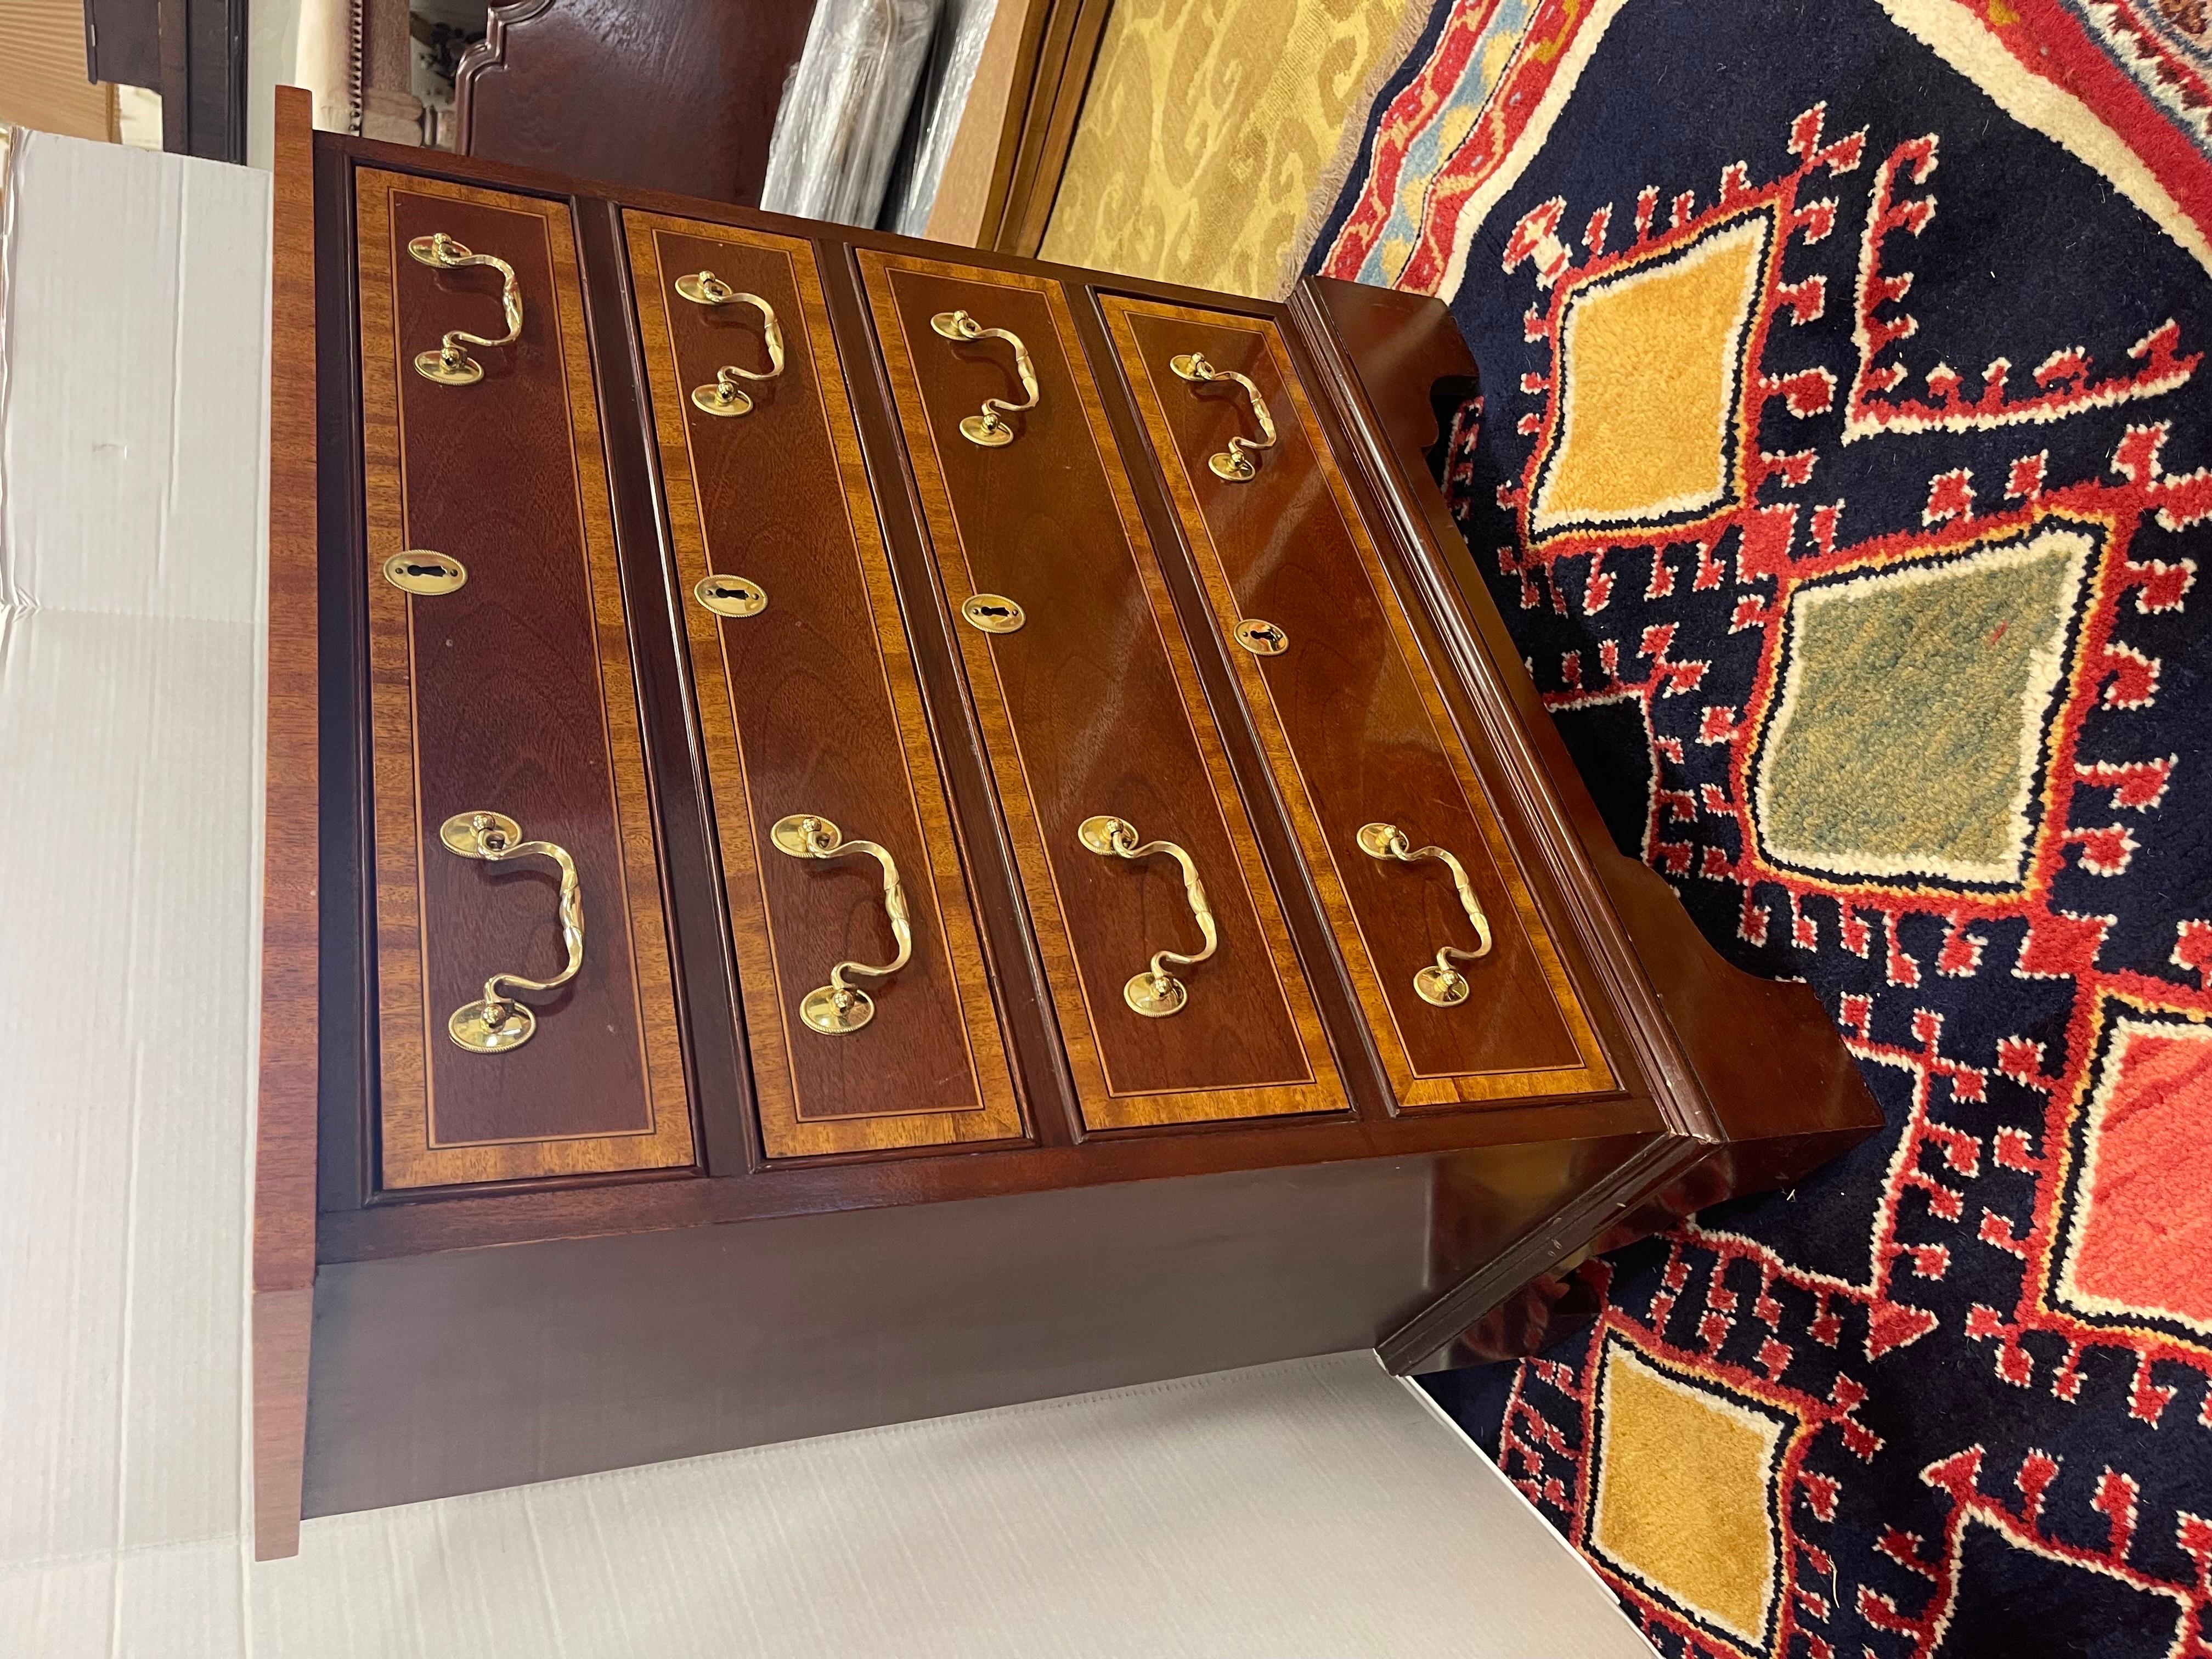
(1841, 470)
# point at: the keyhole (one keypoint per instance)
(1262, 639)
(730, 596)
(993, 613)
(420, 571)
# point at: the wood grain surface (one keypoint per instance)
(669, 95)
(1287, 547)
(1655, 1122)
(812, 707)
(512, 694)
(1752, 1067)
(285, 1098)
(1094, 707)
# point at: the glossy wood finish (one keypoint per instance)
(465, 1370)
(1769, 1085)
(1758, 1088)
(667, 94)
(1093, 708)
(511, 1328)
(286, 1079)
(1354, 725)
(512, 694)
(812, 706)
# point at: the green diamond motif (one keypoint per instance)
(1909, 736)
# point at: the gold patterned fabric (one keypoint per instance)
(1213, 129)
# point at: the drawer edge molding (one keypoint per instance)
(1323, 1089)
(1592, 1073)
(412, 1154)
(772, 997)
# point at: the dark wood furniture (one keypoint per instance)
(719, 545)
(123, 42)
(668, 95)
(191, 51)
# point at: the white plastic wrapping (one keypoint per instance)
(844, 107)
(940, 103)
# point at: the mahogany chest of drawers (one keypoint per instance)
(859, 830)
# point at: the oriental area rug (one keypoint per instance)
(1843, 466)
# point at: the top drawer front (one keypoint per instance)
(512, 694)
(1286, 546)
(1092, 708)
(811, 705)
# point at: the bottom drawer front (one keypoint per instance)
(1091, 711)
(506, 695)
(1281, 549)
(809, 706)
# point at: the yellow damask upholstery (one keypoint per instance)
(1216, 132)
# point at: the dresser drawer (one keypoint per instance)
(1356, 732)
(749, 528)
(1101, 743)
(507, 698)
(810, 707)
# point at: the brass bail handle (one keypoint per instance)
(841, 1007)
(496, 1021)
(726, 396)
(989, 428)
(1235, 462)
(1440, 984)
(449, 365)
(1155, 993)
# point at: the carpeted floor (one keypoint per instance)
(1843, 472)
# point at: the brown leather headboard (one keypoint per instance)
(669, 95)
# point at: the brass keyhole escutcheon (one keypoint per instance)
(416, 571)
(993, 613)
(730, 596)
(1262, 639)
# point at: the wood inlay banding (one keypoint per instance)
(514, 694)
(1095, 706)
(1289, 546)
(812, 705)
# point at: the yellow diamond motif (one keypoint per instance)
(1650, 375)
(1685, 1493)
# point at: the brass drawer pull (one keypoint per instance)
(1235, 462)
(988, 429)
(497, 1022)
(1440, 984)
(840, 1006)
(726, 396)
(449, 365)
(1155, 993)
